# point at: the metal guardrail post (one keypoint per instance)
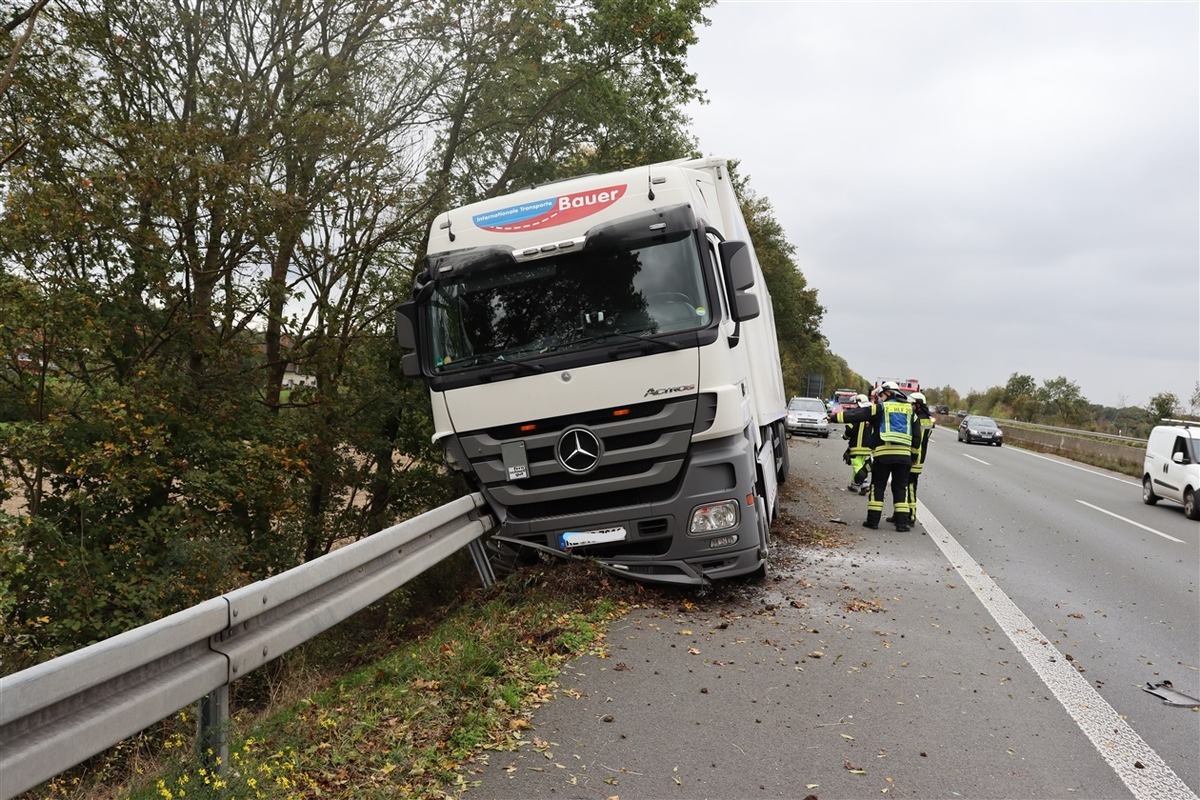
(212, 730)
(482, 564)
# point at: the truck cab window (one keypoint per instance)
(567, 302)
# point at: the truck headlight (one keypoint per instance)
(714, 517)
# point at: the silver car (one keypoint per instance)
(806, 415)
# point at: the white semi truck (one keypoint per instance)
(603, 367)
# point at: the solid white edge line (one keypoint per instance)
(1112, 737)
(1131, 522)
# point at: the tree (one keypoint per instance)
(944, 396)
(538, 90)
(1019, 386)
(211, 198)
(1163, 405)
(1063, 400)
(17, 16)
(1020, 397)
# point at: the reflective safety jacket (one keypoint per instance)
(859, 434)
(892, 426)
(922, 448)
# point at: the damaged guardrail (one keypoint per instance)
(55, 715)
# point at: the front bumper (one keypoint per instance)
(657, 547)
(808, 427)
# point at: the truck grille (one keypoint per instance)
(641, 459)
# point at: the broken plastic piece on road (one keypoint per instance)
(1170, 696)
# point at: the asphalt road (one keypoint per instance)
(1111, 581)
(995, 651)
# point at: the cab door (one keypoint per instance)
(1173, 477)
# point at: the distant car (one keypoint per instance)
(806, 415)
(943, 410)
(1171, 470)
(980, 429)
(960, 414)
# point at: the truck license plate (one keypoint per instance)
(571, 539)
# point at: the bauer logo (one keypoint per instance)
(549, 212)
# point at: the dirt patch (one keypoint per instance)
(15, 504)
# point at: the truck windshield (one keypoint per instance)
(566, 302)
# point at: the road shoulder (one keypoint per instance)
(862, 665)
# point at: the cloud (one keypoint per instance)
(1017, 184)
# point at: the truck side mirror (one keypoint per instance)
(745, 306)
(739, 269)
(411, 365)
(406, 333)
(739, 276)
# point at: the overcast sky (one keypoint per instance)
(977, 188)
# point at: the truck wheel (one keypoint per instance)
(1189, 504)
(1148, 495)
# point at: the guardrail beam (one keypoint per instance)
(57, 714)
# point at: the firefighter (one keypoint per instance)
(920, 449)
(858, 454)
(893, 426)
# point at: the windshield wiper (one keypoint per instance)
(497, 359)
(601, 337)
(640, 336)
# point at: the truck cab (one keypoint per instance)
(602, 366)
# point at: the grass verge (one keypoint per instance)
(402, 724)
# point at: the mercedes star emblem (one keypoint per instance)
(578, 450)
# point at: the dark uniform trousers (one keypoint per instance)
(895, 467)
(918, 464)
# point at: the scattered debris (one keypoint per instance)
(1170, 696)
(869, 606)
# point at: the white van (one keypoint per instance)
(1172, 467)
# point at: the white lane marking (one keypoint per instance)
(980, 460)
(1131, 522)
(1134, 761)
(1076, 466)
